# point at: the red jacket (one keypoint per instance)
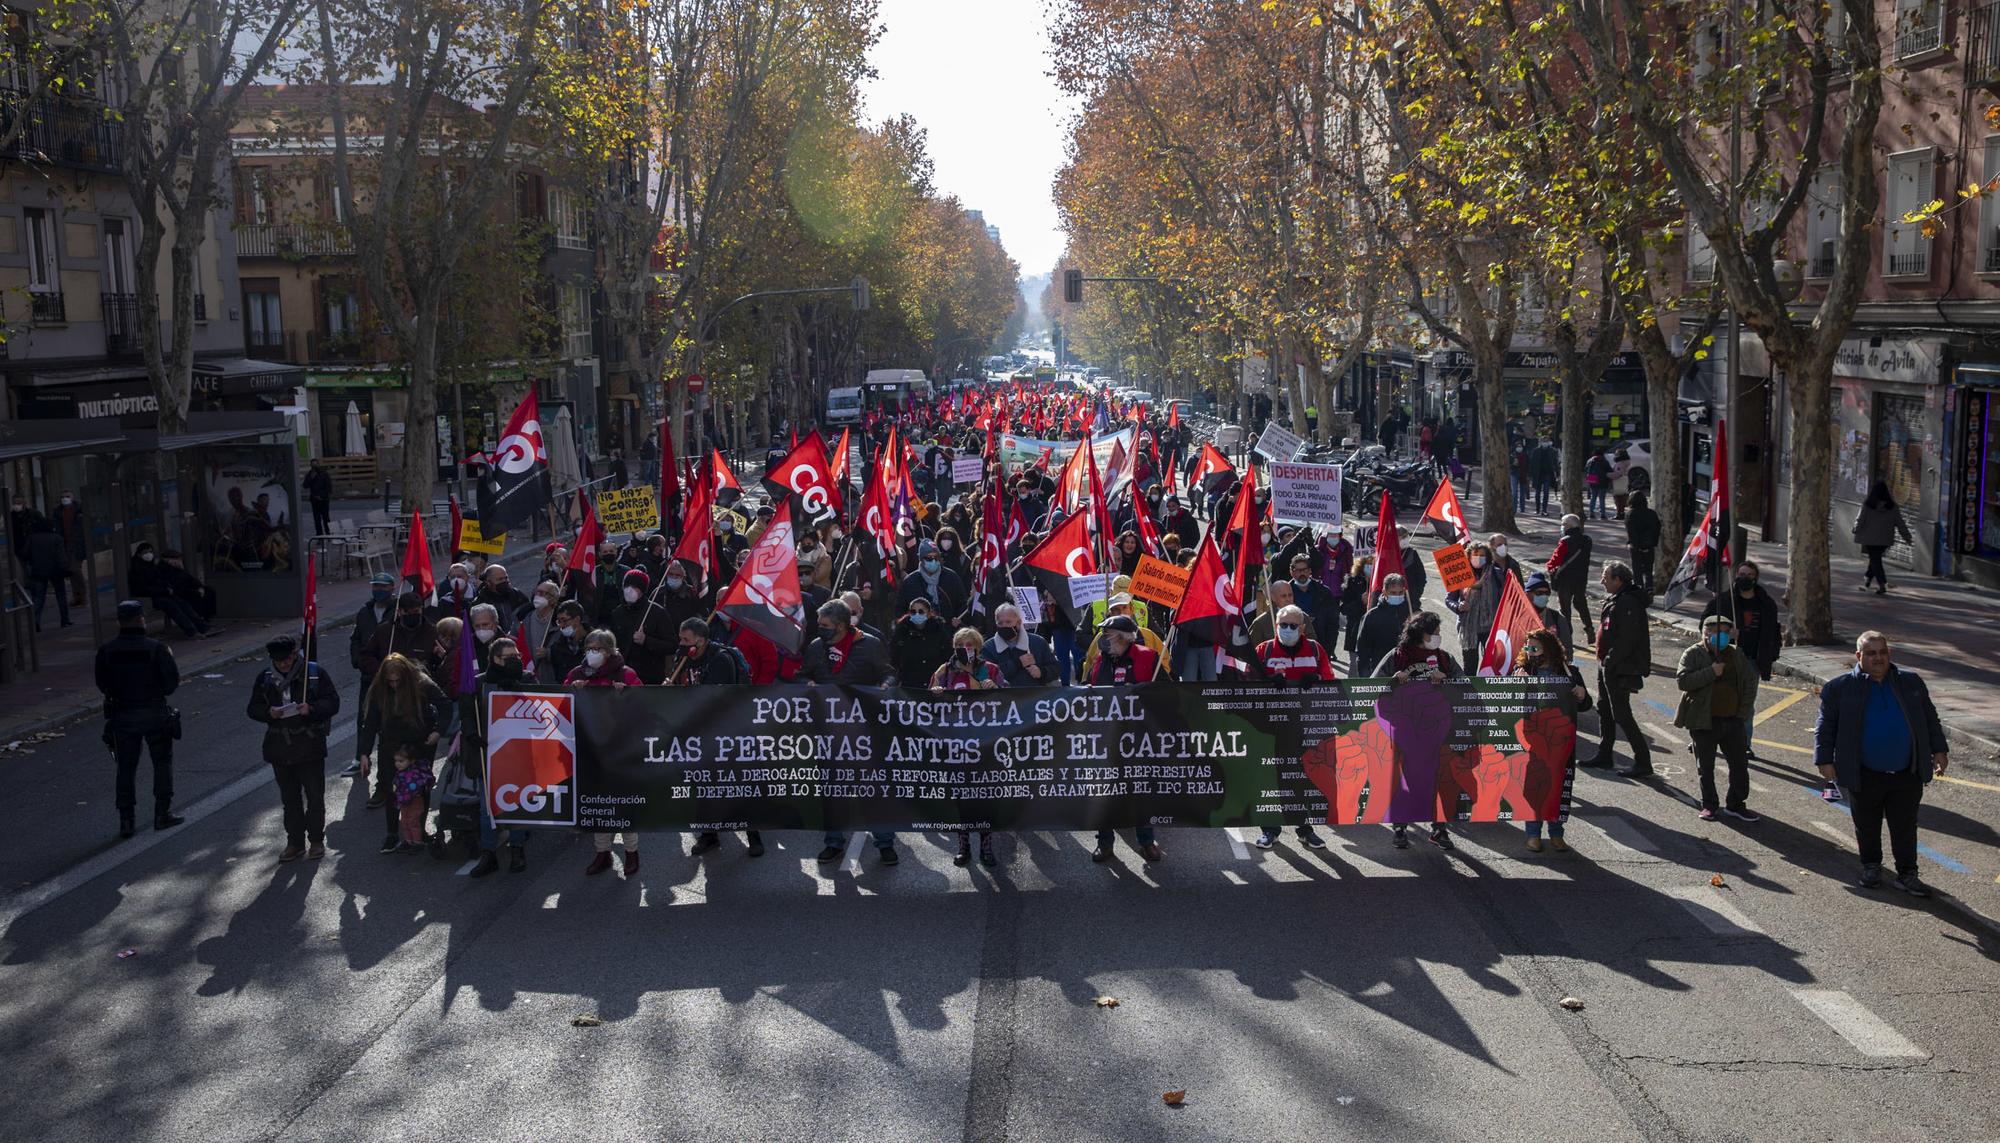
(761, 653)
(1138, 666)
(1308, 660)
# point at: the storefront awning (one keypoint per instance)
(22, 439)
(230, 376)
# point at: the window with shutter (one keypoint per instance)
(1912, 182)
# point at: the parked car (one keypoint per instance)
(1631, 467)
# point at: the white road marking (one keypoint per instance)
(1716, 915)
(1870, 1034)
(1623, 833)
(1834, 833)
(466, 869)
(28, 900)
(552, 900)
(1236, 845)
(853, 862)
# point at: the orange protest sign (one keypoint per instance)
(1157, 581)
(1454, 567)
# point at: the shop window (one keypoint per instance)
(1989, 211)
(1701, 256)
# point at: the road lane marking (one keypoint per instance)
(1828, 829)
(1805, 750)
(1870, 1034)
(1791, 698)
(28, 900)
(1236, 845)
(1716, 915)
(466, 869)
(853, 862)
(1968, 782)
(1949, 863)
(1624, 833)
(1663, 708)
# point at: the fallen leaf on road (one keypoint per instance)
(127, 954)
(587, 1020)
(1571, 1003)
(1175, 1098)
(1718, 882)
(1107, 1002)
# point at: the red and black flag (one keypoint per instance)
(723, 489)
(1212, 473)
(1207, 609)
(1064, 555)
(1446, 516)
(765, 595)
(808, 474)
(516, 485)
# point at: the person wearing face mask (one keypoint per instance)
(1624, 659)
(494, 589)
(1497, 545)
(536, 623)
(708, 663)
(404, 709)
(728, 534)
(951, 554)
(920, 641)
(1382, 627)
(1025, 658)
(1642, 532)
(1757, 632)
(643, 628)
(457, 590)
(1542, 656)
(1316, 600)
(1419, 657)
(842, 654)
(296, 702)
(1268, 603)
(1124, 662)
(1294, 656)
(933, 581)
(148, 581)
(1539, 596)
(564, 652)
(1569, 570)
(1717, 686)
(815, 563)
(485, 621)
(603, 666)
(1478, 606)
(377, 613)
(605, 584)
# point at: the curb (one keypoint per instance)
(208, 663)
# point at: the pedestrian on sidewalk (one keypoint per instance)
(1597, 482)
(48, 565)
(1642, 532)
(1879, 736)
(1757, 634)
(136, 674)
(75, 531)
(1569, 570)
(1877, 527)
(296, 702)
(318, 484)
(1543, 465)
(1624, 659)
(1718, 686)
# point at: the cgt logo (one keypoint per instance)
(531, 758)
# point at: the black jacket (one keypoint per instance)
(318, 484)
(919, 651)
(867, 663)
(1573, 574)
(560, 657)
(1319, 603)
(719, 664)
(1625, 636)
(1008, 659)
(1642, 528)
(1381, 630)
(1757, 633)
(136, 673)
(299, 738)
(648, 659)
(1843, 706)
(950, 601)
(48, 558)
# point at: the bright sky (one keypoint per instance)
(976, 77)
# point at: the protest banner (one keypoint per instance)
(1277, 442)
(1019, 450)
(1454, 567)
(968, 469)
(471, 539)
(1157, 581)
(1187, 754)
(1029, 600)
(1085, 590)
(628, 509)
(1305, 493)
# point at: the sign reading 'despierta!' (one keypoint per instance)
(1350, 752)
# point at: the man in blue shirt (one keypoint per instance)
(1879, 736)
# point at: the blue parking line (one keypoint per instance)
(1663, 708)
(1923, 849)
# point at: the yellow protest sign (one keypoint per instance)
(1454, 567)
(470, 539)
(629, 509)
(1157, 581)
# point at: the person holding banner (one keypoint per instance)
(1477, 606)
(1024, 658)
(1542, 656)
(1124, 663)
(1382, 626)
(843, 654)
(707, 662)
(603, 666)
(1293, 657)
(1419, 657)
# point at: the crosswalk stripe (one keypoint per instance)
(1870, 1034)
(1715, 914)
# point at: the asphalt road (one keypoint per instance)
(1356, 993)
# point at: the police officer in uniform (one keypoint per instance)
(136, 675)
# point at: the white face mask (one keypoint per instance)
(1289, 636)
(567, 632)
(1394, 600)
(594, 659)
(484, 634)
(149, 557)
(67, 501)
(631, 595)
(1434, 642)
(541, 603)
(1499, 551)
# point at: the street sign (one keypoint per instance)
(1278, 443)
(1305, 493)
(696, 382)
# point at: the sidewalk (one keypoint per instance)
(65, 689)
(1943, 629)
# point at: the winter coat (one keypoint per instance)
(1697, 679)
(866, 664)
(1843, 707)
(1008, 659)
(1757, 633)
(1569, 564)
(1381, 630)
(1625, 638)
(299, 738)
(1879, 527)
(1642, 528)
(48, 559)
(919, 651)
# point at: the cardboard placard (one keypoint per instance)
(1277, 442)
(1029, 600)
(1157, 581)
(629, 509)
(1085, 590)
(470, 539)
(1454, 567)
(1305, 493)
(968, 469)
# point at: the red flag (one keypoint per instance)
(1100, 513)
(839, 460)
(1048, 455)
(1718, 497)
(1388, 549)
(1017, 525)
(457, 529)
(1149, 533)
(670, 480)
(1250, 543)
(1073, 486)
(697, 544)
(1064, 555)
(1208, 598)
(723, 480)
(1173, 416)
(417, 557)
(765, 595)
(1446, 515)
(311, 610)
(583, 553)
(807, 472)
(1513, 623)
(1211, 472)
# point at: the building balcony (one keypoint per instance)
(292, 240)
(347, 346)
(121, 324)
(1982, 56)
(268, 346)
(46, 307)
(64, 132)
(1910, 264)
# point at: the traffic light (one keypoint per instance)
(860, 288)
(1073, 287)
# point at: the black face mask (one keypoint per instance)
(1009, 634)
(412, 620)
(829, 635)
(505, 672)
